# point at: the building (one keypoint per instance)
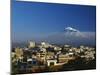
(51, 62)
(45, 45)
(31, 44)
(57, 48)
(18, 52)
(67, 46)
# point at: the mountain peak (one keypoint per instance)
(70, 29)
(72, 32)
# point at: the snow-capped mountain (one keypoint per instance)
(70, 29)
(71, 36)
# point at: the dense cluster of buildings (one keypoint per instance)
(46, 55)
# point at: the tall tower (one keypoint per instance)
(31, 44)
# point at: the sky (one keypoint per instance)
(32, 19)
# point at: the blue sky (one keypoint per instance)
(34, 18)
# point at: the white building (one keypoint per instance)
(31, 44)
(57, 48)
(44, 44)
(67, 46)
(43, 49)
(51, 62)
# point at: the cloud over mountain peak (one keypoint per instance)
(70, 29)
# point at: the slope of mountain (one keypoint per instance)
(72, 36)
(68, 36)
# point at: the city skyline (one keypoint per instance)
(51, 37)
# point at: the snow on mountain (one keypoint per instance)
(73, 32)
(72, 36)
(70, 29)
